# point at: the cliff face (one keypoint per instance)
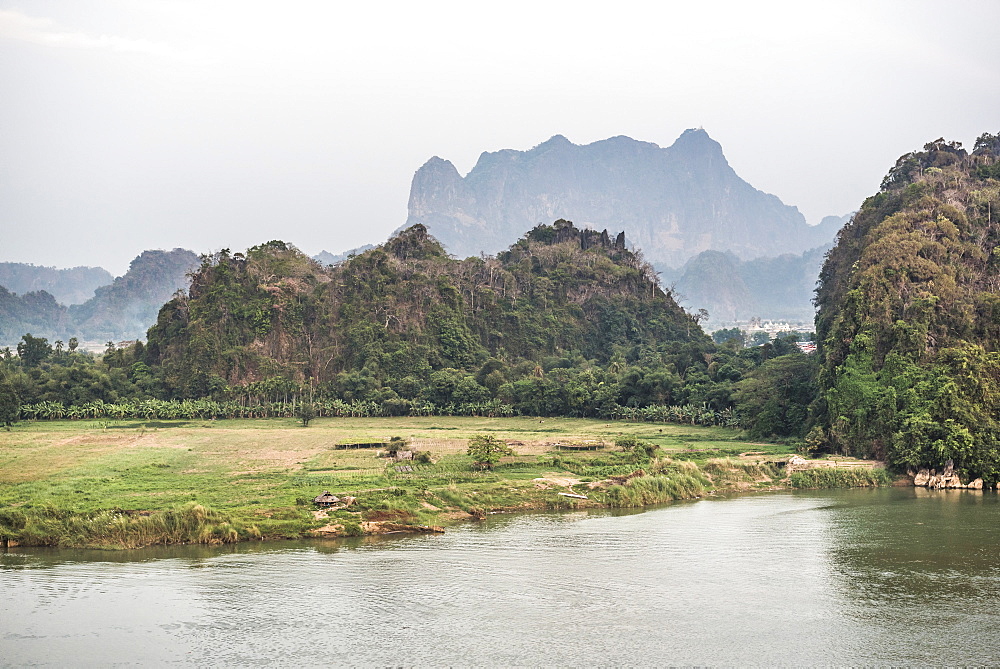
(672, 202)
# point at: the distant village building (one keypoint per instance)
(806, 346)
(773, 328)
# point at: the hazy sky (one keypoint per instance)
(206, 124)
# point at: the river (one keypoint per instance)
(894, 576)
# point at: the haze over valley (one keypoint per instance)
(294, 289)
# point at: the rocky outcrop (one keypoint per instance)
(946, 478)
(672, 202)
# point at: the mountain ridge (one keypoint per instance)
(71, 285)
(122, 309)
(672, 202)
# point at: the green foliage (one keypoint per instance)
(644, 490)
(774, 398)
(305, 412)
(734, 335)
(908, 317)
(32, 350)
(628, 442)
(113, 528)
(828, 477)
(486, 450)
(10, 403)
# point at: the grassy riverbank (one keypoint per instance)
(132, 483)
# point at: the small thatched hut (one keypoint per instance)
(326, 499)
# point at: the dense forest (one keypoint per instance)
(565, 322)
(909, 317)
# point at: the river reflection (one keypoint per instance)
(896, 576)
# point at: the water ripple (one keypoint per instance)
(818, 578)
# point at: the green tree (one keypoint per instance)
(10, 404)
(32, 350)
(774, 399)
(734, 335)
(486, 450)
(305, 412)
(628, 442)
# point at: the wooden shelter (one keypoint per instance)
(326, 499)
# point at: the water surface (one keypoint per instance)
(896, 576)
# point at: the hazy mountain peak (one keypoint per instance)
(672, 202)
(555, 141)
(74, 285)
(437, 164)
(696, 143)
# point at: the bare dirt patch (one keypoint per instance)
(555, 480)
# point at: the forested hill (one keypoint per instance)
(909, 316)
(126, 307)
(404, 319)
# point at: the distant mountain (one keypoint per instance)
(734, 290)
(68, 286)
(35, 312)
(828, 228)
(673, 202)
(327, 258)
(122, 309)
(128, 307)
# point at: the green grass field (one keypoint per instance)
(261, 475)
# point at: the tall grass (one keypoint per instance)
(726, 471)
(655, 489)
(840, 478)
(190, 524)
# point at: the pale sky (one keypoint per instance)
(206, 124)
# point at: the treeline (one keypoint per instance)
(45, 382)
(151, 410)
(565, 323)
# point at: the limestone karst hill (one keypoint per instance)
(909, 317)
(395, 314)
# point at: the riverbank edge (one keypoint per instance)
(194, 524)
